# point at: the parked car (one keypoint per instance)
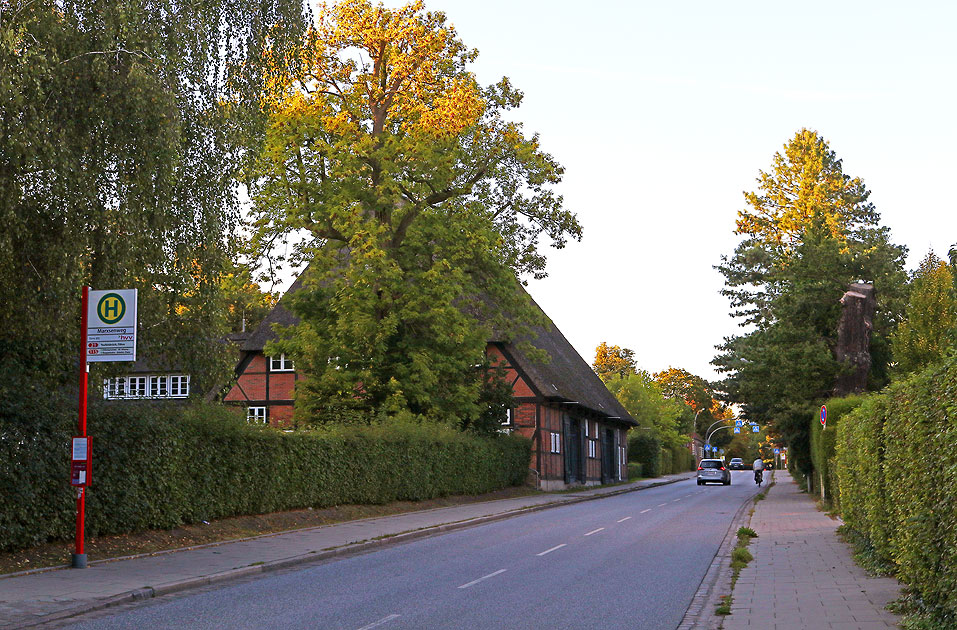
(736, 463)
(713, 470)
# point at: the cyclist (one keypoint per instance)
(758, 467)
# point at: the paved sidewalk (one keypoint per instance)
(802, 575)
(39, 597)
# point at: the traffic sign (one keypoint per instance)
(738, 423)
(776, 451)
(755, 428)
(824, 416)
(111, 325)
(737, 429)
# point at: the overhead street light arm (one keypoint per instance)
(708, 432)
(708, 439)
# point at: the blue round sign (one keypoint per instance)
(823, 415)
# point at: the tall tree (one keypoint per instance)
(929, 328)
(697, 393)
(613, 361)
(421, 203)
(641, 396)
(120, 127)
(807, 232)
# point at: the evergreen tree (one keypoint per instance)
(808, 232)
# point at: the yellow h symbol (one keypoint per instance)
(111, 308)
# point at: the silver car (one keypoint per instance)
(713, 470)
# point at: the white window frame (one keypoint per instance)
(509, 418)
(281, 364)
(137, 387)
(556, 445)
(159, 386)
(592, 450)
(154, 386)
(178, 385)
(257, 415)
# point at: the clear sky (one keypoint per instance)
(663, 113)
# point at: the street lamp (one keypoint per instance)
(709, 432)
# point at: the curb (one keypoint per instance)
(352, 549)
(700, 614)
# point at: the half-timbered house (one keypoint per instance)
(577, 427)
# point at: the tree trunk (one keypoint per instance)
(854, 339)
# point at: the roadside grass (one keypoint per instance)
(55, 554)
(740, 557)
(725, 607)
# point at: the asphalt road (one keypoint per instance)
(629, 561)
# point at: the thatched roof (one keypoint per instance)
(566, 377)
(278, 315)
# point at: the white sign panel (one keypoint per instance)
(79, 448)
(111, 325)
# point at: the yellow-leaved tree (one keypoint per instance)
(420, 203)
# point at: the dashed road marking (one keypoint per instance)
(662, 504)
(375, 624)
(594, 531)
(624, 519)
(550, 550)
(643, 511)
(484, 577)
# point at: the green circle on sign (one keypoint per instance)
(111, 308)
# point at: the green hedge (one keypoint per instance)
(634, 470)
(644, 448)
(681, 460)
(665, 462)
(163, 466)
(823, 443)
(898, 483)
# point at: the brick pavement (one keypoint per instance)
(803, 576)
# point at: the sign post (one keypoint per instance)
(107, 333)
(79, 556)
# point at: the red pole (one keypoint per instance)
(79, 558)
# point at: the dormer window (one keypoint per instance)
(280, 364)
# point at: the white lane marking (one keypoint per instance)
(643, 511)
(624, 519)
(380, 622)
(662, 504)
(550, 550)
(594, 531)
(676, 500)
(484, 577)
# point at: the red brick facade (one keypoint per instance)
(555, 427)
(260, 386)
